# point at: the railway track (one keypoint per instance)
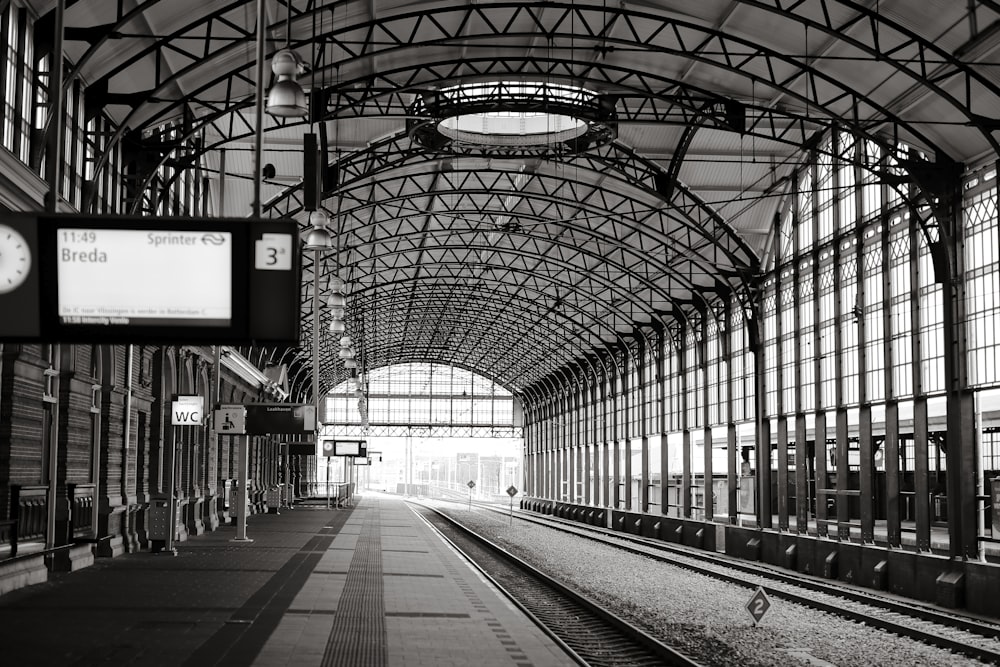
(970, 636)
(590, 634)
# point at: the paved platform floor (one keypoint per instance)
(371, 585)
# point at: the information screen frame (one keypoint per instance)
(266, 319)
(199, 263)
(352, 448)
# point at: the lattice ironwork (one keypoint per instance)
(564, 255)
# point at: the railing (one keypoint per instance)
(81, 502)
(8, 537)
(28, 517)
(344, 492)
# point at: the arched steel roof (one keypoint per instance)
(525, 265)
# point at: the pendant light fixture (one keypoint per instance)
(286, 99)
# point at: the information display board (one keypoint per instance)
(264, 418)
(334, 447)
(158, 277)
(107, 279)
(301, 448)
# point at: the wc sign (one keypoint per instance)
(187, 411)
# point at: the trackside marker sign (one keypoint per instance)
(758, 605)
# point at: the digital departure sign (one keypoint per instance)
(110, 279)
(334, 447)
(155, 277)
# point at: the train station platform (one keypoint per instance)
(365, 586)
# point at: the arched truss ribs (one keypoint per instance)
(924, 63)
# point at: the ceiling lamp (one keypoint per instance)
(319, 218)
(318, 238)
(286, 98)
(346, 353)
(337, 326)
(335, 284)
(336, 300)
(350, 363)
(346, 341)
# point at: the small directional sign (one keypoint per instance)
(230, 419)
(301, 448)
(758, 605)
(512, 491)
(186, 410)
(471, 484)
(328, 447)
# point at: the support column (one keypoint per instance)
(571, 444)
(782, 299)
(606, 439)
(890, 445)
(663, 368)
(615, 435)
(841, 423)
(763, 426)
(782, 456)
(708, 510)
(803, 493)
(242, 482)
(536, 443)
(819, 453)
(921, 489)
(590, 448)
(843, 465)
(625, 482)
(890, 448)
(963, 483)
(643, 426)
(865, 436)
(552, 453)
(664, 473)
(685, 499)
(819, 429)
(528, 473)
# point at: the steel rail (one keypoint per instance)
(648, 651)
(913, 612)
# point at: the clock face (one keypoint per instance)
(15, 259)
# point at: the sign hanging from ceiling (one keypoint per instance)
(106, 279)
(264, 418)
(335, 447)
(187, 410)
(301, 448)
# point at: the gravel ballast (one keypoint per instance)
(703, 617)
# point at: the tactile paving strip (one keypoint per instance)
(516, 653)
(358, 633)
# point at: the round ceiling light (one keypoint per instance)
(513, 116)
(512, 128)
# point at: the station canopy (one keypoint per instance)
(520, 188)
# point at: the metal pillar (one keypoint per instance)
(625, 423)
(708, 511)
(242, 487)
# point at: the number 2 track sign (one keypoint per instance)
(758, 605)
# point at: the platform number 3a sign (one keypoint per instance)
(273, 252)
(758, 605)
